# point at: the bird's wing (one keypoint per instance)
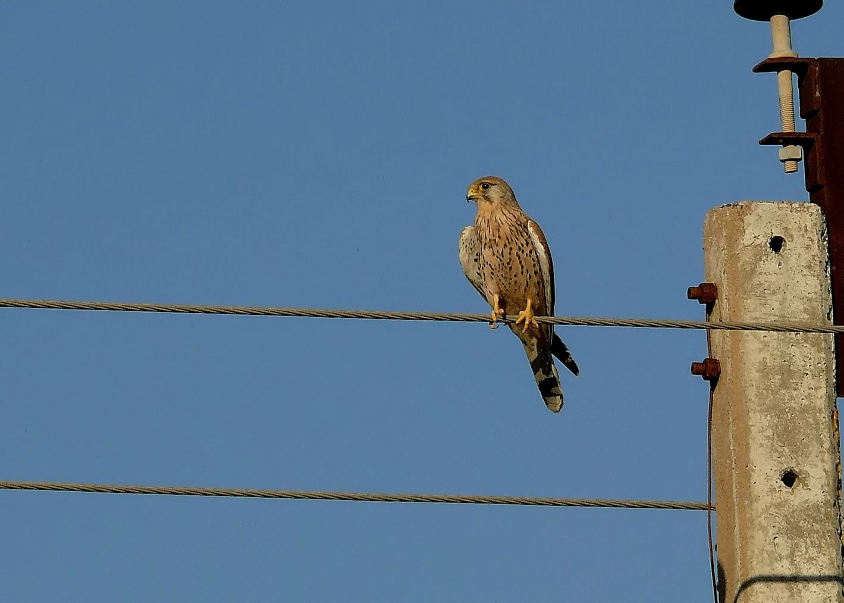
(546, 265)
(470, 258)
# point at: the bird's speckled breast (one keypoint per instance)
(509, 262)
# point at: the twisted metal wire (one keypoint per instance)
(780, 327)
(356, 496)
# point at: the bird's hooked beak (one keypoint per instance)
(473, 194)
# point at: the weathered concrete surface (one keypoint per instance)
(775, 442)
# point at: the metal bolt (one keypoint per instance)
(704, 293)
(709, 369)
(781, 33)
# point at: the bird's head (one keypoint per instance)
(491, 189)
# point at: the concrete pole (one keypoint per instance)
(774, 426)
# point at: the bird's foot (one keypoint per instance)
(497, 313)
(526, 316)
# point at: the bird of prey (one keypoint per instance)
(506, 258)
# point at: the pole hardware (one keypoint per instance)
(704, 293)
(820, 83)
(709, 369)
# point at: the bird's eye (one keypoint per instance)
(485, 185)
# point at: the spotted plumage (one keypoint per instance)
(506, 258)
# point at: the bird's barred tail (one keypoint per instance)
(559, 349)
(547, 377)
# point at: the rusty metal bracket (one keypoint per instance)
(821, 92)
(704, 293)
(709, 369)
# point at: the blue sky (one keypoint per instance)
(317, 155)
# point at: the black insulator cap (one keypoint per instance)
(763, 10)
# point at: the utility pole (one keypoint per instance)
(774, 426)
(774, 423)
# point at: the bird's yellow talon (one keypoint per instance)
(526, 316)
(497, 313)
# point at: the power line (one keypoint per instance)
(780, 327)
(357, 496)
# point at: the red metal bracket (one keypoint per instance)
(709, 369)
(821, 85)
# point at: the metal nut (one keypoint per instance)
(791, 153)
(704, 293)
(709, 369)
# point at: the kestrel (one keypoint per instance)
(506, 258)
